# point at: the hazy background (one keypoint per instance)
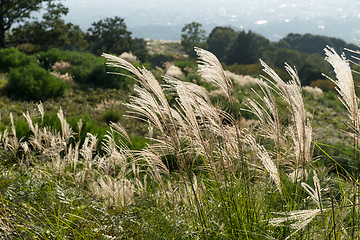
(164, 19)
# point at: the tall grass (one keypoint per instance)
(203, 174)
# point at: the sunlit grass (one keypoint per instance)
(199, 170)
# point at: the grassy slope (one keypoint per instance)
(237, 208)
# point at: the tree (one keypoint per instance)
(246, 48)
(315, 43)
(219, 39)
(51, 32)
(192, 36)
(15, 11)
(110, 35)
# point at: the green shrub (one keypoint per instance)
(47, 59)
(86, 68)
(95, 73)
(32, 82)
(13, 58)
(111, 115)
(186, 65)
(158, 60)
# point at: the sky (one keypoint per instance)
(241, 14)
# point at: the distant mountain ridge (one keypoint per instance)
(162, 19)
(273, 31)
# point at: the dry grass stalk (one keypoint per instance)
(344, 84)
(129, 57)
(61, 66)
(210, 69)
(301, 130)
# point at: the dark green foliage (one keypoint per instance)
(32, 82)
(158, 59)
(219, 39)
(309, 66)
(110, 36)
(308, 74)
(51, 32)
(141, 52)
(48, 58)
(94, 72)
(13, 58)
(13, 12)
(86, 68)
(315, 43)
(246, 48)
(186, 65)
(111, 115)
(192, 36)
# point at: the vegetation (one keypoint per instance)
(12, 12)
(109, 35)
(213, 149)
(204, 172)
(51, 32)
(192, 36)
(32, 82)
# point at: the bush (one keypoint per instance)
(13, 58)
(94, 72)
(49, 58)
(111, 115)
(158, 59)
(86, 68)
(32, 82)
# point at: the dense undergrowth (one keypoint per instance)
(209, 155)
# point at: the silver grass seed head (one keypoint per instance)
(344, 83)
(210, 69)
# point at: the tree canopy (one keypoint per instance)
(219, 39)
(110, 35)
(15, 11)
(246, 48)
(315, 43)
(192, 36)
(52, 31)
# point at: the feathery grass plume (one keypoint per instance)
(116, 151)
(315, 194)
(266, 161)
(174, 71)
(114, 190)
(242, 80)
(66, 130)
(40, 107)
(147, 108)
(72, 155)
(155, 163)
(129, 57)
(80, 125)
(270, 166)
(4, 139)
(315, 91)
(345, 87)
(145, 77)
(210, 69)
(188, 102)
(13, 141)
(301, 131)
(300, 218)
(344, 84)
(89, 147)
(202, 123)
(268, 115)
